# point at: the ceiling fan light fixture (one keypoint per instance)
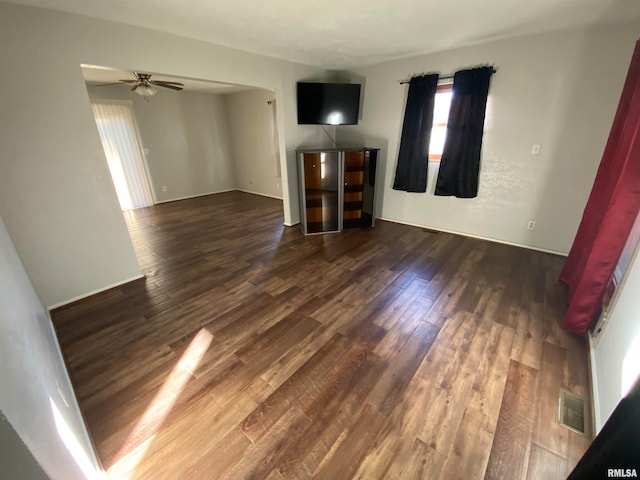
(146, 90)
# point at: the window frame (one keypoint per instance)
(446, 86)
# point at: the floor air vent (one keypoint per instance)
(571, 412)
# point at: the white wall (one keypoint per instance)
(56, 196)
(16, 459)
(615, 353)
(252, 134)
(186, 135)
(33, 376)
(559, 90)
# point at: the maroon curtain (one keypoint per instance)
(610, 212)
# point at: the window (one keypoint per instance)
(633, 240)
(440, 118)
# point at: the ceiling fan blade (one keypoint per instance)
(128, 81)
(171, 85)
(165, 82)
(105, 84)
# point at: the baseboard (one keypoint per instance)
(288, 224)
(257, 193)
(216, 192)
(479, 237)
(593, 377)
(64, 303)
(194, 196)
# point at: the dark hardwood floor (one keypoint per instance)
(252, 351)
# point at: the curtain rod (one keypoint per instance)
(440, 77)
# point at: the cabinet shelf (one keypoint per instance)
(325, 199)
(353, 188)
(353, 205)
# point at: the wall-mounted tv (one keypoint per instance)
(328, 103)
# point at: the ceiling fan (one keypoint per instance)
(145, 87)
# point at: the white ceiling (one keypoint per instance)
(98, 75)
(342, 34)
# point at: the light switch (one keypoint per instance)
(535, 150)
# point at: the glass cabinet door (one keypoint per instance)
(322, 176)
(353, 188)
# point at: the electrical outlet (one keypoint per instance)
(250, 182)
(164, 188)
(277, 184)
(535, 150)
(531, 225)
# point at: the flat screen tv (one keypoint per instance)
(328, 103)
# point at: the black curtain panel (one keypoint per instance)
(413, 158)
(617, 446)
(460, 163)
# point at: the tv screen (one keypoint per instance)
(328, 103)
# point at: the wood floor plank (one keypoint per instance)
(389, 444)
(206, 429)
(332, 412)
(469, 455)
(492, 372)
(415, 464)
(292, 361)
(265, 416)
(547, 432)
(446, 409)
(406, 323)
(419, 461)
(252, 351)
(396, 444)
(344, 375)
(402, 366)
(216, 462)
(346, 454)
(511, 443)
(273, 343)
(390, 314)
(545, 464)
(310, 375)
(261, 457)
(527, 347)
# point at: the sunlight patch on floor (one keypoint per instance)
(149, 424)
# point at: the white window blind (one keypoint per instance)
(122, 147)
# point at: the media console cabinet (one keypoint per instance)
(337, 188)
